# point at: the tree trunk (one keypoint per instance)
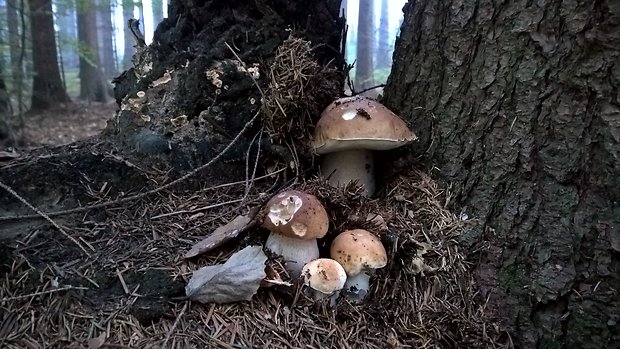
(158, 11)
(204, 88)
(517, 107)
(107, 50)
(67, 32)
(129, 49)
(13, 39)
(365, 45)
(383, 42)
(92, 82)
(47, 88)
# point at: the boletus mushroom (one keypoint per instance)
(360, 253)
(325, 278)
(295, 220)
(348, 132)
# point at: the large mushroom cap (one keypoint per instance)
(324, 275)
(357, 251)
(359, 122)
(297, 215)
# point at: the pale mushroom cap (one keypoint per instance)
(359, 123)
(357, 251)
(296, 214)
(324, 275)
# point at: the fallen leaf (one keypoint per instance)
(223, 234)
(97, 342)
(419, 267)
(273, 278)
(236, 280)
(164, 79)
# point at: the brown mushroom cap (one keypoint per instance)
(324, 275)
(358, 250)
(359, 123)
(296, 214)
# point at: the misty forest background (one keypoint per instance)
(63, 51)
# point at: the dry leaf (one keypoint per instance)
(222, 234)
(273, 278)
(236, 280)
(97, 342)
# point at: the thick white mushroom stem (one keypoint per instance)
(357, 287)
(295, 252)
(345, 166)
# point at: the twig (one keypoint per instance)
(198, 209)
(150, 192)
(174, 325)
(41, 293)
(368, 89)
(39, 213)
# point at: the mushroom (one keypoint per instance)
(360, 253)
(347, 133)
(325, 278)
(295, 220)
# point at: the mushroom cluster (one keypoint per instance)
(346, 135)
(296, 220)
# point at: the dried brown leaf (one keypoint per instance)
(97, 342)
(221, 235)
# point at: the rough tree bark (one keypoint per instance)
(517, 105)
(47, 88)
(92, 82)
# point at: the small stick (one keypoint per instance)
(145, 194)
(174, 325)
(41, 293)
(47, 218)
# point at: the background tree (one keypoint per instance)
(383, 49)
(92, 82)
(47, 87)
(158, 11)
(107, 52)
(13, 38)
(129, 49)
(65, 16)
(517, 107)
(365, 45)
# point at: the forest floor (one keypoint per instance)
(66, 125)
(116, 277)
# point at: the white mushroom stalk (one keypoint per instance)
(346, 166)
(357, 287)
(295, 252)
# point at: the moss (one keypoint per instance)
(587, 328)
(512, 278)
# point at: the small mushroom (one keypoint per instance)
(347, 133)
(360, 253)
(325, 278)
(295, 220)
